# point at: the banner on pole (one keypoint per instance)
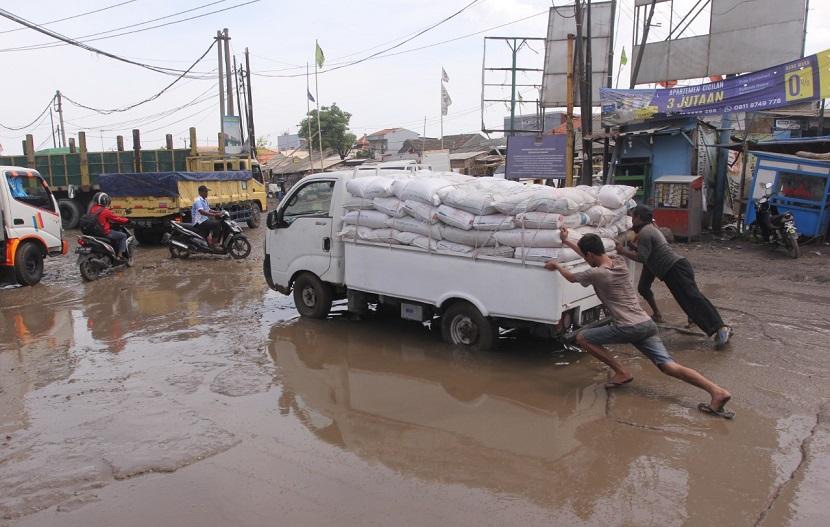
(445, 100)
(803, 80)
(233, 134)
(536, 157)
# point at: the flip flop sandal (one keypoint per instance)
(723, 412)
(618, 384)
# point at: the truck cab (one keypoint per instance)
(30, 224)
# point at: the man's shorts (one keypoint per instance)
(642, 336)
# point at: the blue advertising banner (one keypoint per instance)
(535, 157)
(803, 80)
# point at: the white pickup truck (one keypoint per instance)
(471, 298)
(30, 224)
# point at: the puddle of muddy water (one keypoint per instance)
(187, 393)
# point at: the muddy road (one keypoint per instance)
(187, 393)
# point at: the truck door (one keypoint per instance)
(304, 241)
(32, 211)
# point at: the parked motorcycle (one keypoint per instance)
(96, 255)
(183, 240)
(778, 230)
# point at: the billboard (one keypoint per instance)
(744, 35)
(798, 81)
(535, 157)
(561, 22)
(232, 125)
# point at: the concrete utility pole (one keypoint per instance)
(229, 71)
(60, 115)
(247, 78)
(569, 148)
(221, 66)
(587, 174)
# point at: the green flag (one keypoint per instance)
(318, 55)
(623, 57)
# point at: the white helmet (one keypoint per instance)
(103, 199)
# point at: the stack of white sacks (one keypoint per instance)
(444, 211)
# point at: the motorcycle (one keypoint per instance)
(183, 240)
(778, 230)
(96, 255)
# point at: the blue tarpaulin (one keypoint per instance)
(161, 184)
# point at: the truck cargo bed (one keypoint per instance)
(498, 287)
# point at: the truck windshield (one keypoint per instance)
(29, 188)
(314, 199)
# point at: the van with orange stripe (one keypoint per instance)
(30, 224)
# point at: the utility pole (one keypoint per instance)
(228, 70)
(587, 174)
(514, 49)
(247, 75)
(52, 121)
(60, 116)
(636, 70)
(238, 98)
(608, 84)
(219, 39)
(569, 148)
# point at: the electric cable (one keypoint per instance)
(152, 98)
(86, 38)
(79, 15)
(36, 119)
(263, 73)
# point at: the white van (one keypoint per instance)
(30, 223)
(470, 297)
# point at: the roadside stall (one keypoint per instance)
(800, 186)
(678, 204)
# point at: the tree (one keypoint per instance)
(334, 124)
(263, 141)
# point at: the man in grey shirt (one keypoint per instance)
(612, 283)
(659, 260)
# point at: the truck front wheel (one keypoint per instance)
(28, 264)
(312, 297)
(462, 324)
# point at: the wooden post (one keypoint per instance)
(84, 160)
(193, 150)
(119, 141)
(137, 150)
(30, 151)
(221, 142)
(569, 149)
(168, 139)
(72, 149)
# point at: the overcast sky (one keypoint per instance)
(386, 92)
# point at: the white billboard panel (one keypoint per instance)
(745, 35)
(562, 22)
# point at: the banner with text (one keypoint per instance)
(803, 80)
(535, 157)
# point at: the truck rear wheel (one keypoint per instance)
(148, 236)
(312, 297)
(28, 264)
(70, 213)
(462, 324)
(255, 219)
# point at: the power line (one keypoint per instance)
(24, 127)
(79, 15)
(152, 98)
(85, 38)
(64, 38)
(411, 50)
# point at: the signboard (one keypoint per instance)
(561, 22)
(802, 80)
(744, 35)
(536, 157)
(787, 124)
(233, 134)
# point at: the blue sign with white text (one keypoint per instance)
(536, 157)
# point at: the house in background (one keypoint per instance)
(385, 144)
(412, 148)
(288, 141)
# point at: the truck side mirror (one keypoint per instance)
(275, 219)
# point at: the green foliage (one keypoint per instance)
(334, 124)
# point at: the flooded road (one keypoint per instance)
(187, 393)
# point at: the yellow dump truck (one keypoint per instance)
(152, 199)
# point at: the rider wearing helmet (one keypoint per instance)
(106, 218)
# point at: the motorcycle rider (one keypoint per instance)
(106, 218)
(203, 222)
